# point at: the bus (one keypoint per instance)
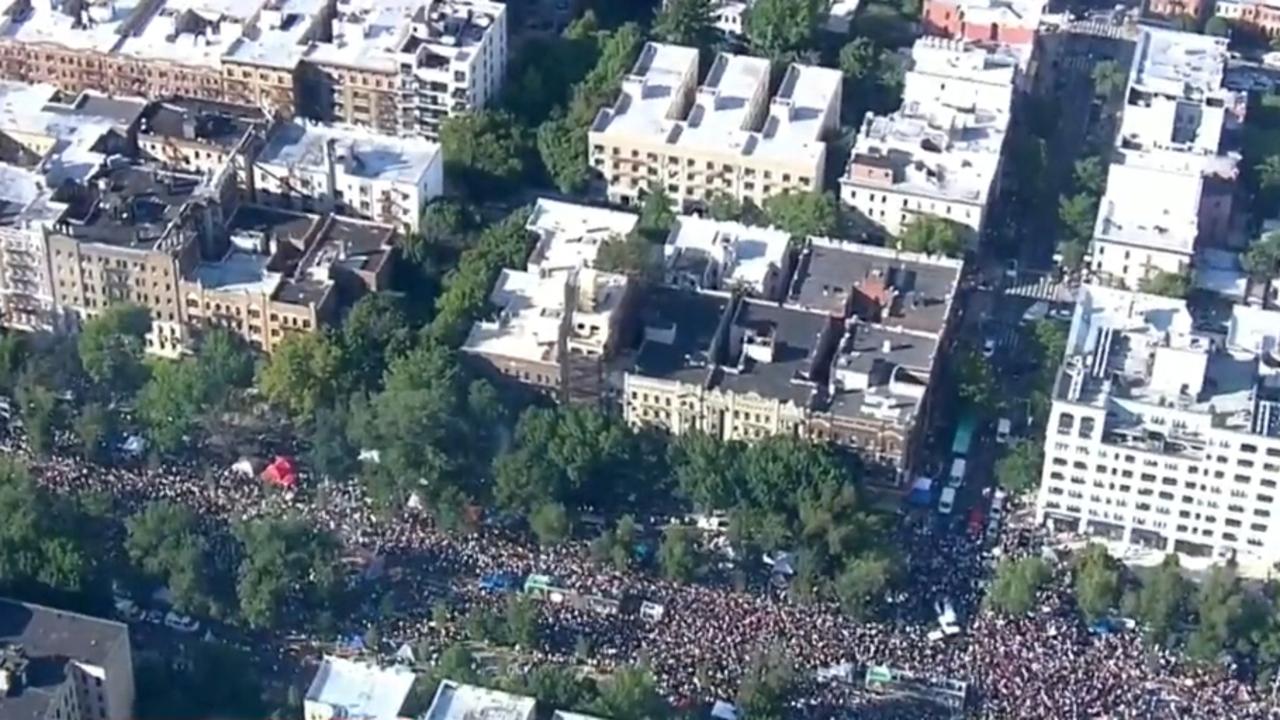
(964, 434)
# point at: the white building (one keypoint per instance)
(704, 254)
(345, 689)
(725, 137)
(1165, 431)
(730, 16)
(427, 60)
(942, 152)
(312, 166)
(1170, 186)
(559, 318)
(456, 701)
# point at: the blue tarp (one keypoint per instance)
(499, 582)
(921, 492)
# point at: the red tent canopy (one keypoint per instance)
(282, 472)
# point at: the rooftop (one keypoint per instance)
(1178, 64)
(719, 255)
(1150, 207)
(1128, 349)
(266, 246)
(775, 351)
(362, 691)
(281, 31)
(931, 150)
(569, 235)
(50, 639)
(731, 111)
(357, 152)
(876, 285)
(959, 73)
(881, 372)
(210, 123)
(75, 24)
(428, 34)
(190, 32)
(126, 204)
(1021, 13)
(680, 334)
(456, 701)
(343, 244)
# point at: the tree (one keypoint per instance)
(467, 286)
(974, 381)
(783, 29)
(891, 73)
(329, 451)
(1073, 252)
(1222, 616)
(803, 214)
(225, 363)
(1262, 259)
(656, 215)
(111, 345)
(1109, 78)
(562, 145)
(678, 554)
(1217, 26)
(38, 408)
(13, 356)
(766, 685)
(1076, 214)
(1089, 175)
(724, 207)
(1013, 592)
(39, 541)
(374, 333)
(1268, 172)
(522, 622)
(633, 255)
(444, 222)
(288, 569)
(1097, 582)
(934, 236)
(300, 375)
(629, 693)
(861, 582)
(1018, 470)
(1160, 600)
(1050, 341)
(164, 541)
(685, 22)
(858, 58)
(171, 403)
(550, 523)
(93, 426)
(554, 686)
(706, 470)
(1168, 284)
(485, 150)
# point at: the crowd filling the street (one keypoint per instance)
(1043, 665)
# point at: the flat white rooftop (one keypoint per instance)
(92, 25)
(795, 126)
(361, 690)
(650, 95)
(455, 701)
(190, 32)
(1014, 13)
(1150, 207)
(281, 29)
(359, 152)
(961, 60)
(744, 254)
(379, 34)
(239, 273)
(727, 104)
(570, 235)
(529, 319)
(1178, 64)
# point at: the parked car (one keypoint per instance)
(181, 623)
(988, 348)
(128, 610)
(956, 478)
(1004, 428)
(947, 502)
(155, 617)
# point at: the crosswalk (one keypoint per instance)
(1042, 287)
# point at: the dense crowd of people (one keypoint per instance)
(1045, 665)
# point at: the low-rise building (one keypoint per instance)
(199, 136)
(280, 272)
(1262, 16)
(704, 254)
(942, 152)
(456, 701)
(848, 358)
(1195, 9)
(347, 689)
(59, 665)
(724, 137)
(1011, 22)
(350, 170)
(559, 321)
(1164, 431)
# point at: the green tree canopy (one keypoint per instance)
(767, 685)
(300, 375)
(1076, 214)
(629, 693)
(1018, 470)
(685, 22)
(1168, 284)
(289, 571)
(633, 255)
(467, 286)
(165, 542)
(1159, 602)
(1109, 78)
(933, 235)
(111, 345)
(375, 332)
(784, 29)
(678, 554)
(172, 402)
(858, 58)
(862, 581)
(39, 541)
(1262, 259)
(550, 523)
(1217, 26)
(1014, 589)
(1089, 175)
(487, 151)
(803, 214)
(1097, 582)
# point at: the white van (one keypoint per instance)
(956, 478)
(1004, 428)
(947, 502)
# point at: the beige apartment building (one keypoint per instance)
(726, 136)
